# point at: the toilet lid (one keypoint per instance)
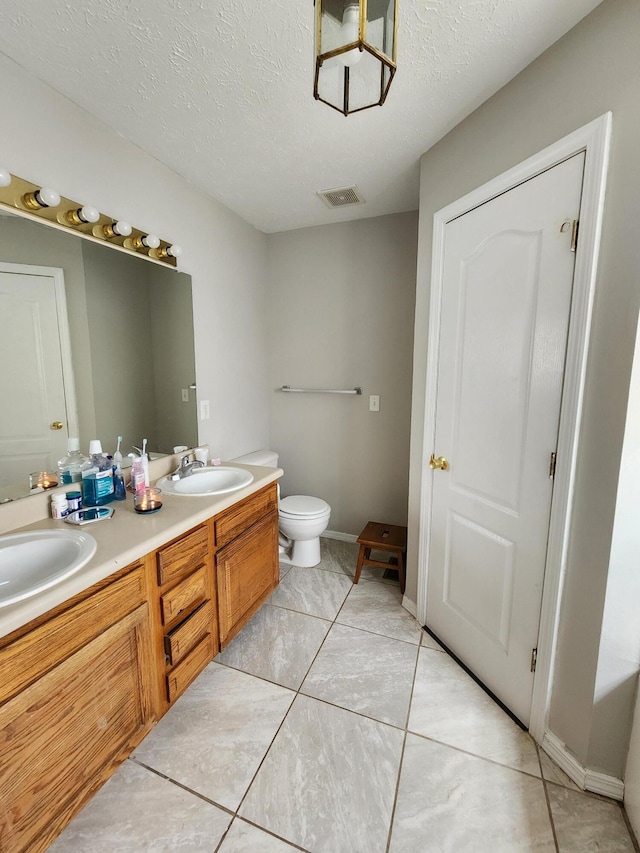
(303, 505)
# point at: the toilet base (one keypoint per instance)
(304, 553)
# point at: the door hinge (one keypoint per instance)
(534, 659)
(574, 234)
(552, 466)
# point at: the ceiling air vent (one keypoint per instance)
(341, 196)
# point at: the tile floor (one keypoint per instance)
(333, 724)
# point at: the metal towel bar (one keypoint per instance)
(291, 390)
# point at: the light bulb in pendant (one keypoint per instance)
(350, 32)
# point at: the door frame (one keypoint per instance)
(594, 140)
(64, 334)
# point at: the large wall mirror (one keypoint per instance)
(94, 343)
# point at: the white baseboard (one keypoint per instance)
(588, 780)
(410, 606)
(602, 783)
(343, 537)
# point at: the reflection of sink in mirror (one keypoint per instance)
(34, 561)
(217, 480)
(94, 284)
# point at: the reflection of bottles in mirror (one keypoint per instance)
(71, 466)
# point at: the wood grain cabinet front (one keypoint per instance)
(186, 612)
(247, 571)
(65, 733)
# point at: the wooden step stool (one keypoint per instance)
(382, 537)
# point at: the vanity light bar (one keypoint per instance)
(46, 205)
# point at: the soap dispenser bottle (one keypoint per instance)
(97, 481)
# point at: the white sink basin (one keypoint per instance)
(34, 561)
(218, 480)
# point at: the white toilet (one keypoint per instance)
(302, 519)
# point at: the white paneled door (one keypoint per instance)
(508, 273)
(33, 415)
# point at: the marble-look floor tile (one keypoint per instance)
(328, 781)
(377, 607)
(277, 644)
(364, 672)
(450, 802)
(342, 557)
(137, 810)
(552, 773)
(245, 838)
(429, 643)
(584, 823)
(284, 569)
(215, 736)
(312, 591)
(448, 706)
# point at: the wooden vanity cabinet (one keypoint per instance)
(82, 684)
(76, 697)
(247, 565)
(185, 612)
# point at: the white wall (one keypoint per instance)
(593, 69)
(619, 654)
(49, 140)
(341, 302)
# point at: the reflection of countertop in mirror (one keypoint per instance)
(126, 537)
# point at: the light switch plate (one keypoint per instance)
(205, 413)
(374, 403)
(185, 395)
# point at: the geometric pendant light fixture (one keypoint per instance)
(355, 53)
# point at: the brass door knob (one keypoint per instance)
(439, 464)
(56, 425)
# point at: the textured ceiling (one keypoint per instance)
(221, 91)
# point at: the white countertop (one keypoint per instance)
(127, 537)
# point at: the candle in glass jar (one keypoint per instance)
(148, 500)
(43, 480)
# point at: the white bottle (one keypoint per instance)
(59, 506)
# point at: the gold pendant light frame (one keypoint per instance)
(387, 63)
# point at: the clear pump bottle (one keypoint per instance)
(71, 466)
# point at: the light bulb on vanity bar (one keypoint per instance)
(116, 229)
(170, 251)
(82, 215)
(5, 177)
(146, 241)
(45, 197)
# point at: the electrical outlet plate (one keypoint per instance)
(204, 410)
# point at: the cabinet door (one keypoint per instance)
(247, 571)
(61, 737)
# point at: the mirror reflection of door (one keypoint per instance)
(36, 374)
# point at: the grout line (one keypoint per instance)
(180, 785)
(404, 744)
(547, 800)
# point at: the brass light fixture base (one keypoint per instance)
(20, 198)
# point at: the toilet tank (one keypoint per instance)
(267, 458)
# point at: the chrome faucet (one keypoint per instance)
(185, 467)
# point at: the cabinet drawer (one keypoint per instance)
(187, 593)
(181, 640)
(33, 654)
(236, 520)
(182, 675)
(182, 557)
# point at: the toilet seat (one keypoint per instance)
(303, 506)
